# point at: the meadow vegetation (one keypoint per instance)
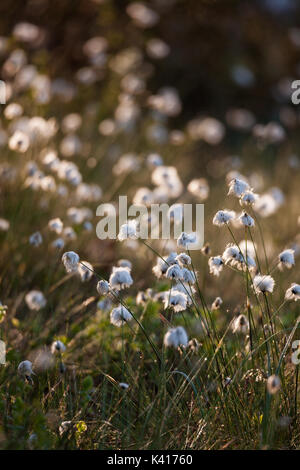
(147, 344)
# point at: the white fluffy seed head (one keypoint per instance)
(176, 300)
(70, 260)
(143, 196)
(240, 325)
(273, 384)
(248, 198)
(35, 300)
(186, 239)
(176, 337)
(58, 244)
(162, 264)
(85, 271)
(293, 292)
(123, 385)
(286, 259)
(263, 284)
(183, 259)
(58, 347)
(188, 276)
(56, 225)
(154, 160)
(103, 287)
(231, 253)
(19, 142)
(223, 217)
(216, 265)
(120, 315)
(128, 230)
(25, 368)
(174, 272)
(187, 289)
(120, 278)
(36, 239)
(199, 188)
(237, 187)
(217, 303)
(246, 220)
(266, 205)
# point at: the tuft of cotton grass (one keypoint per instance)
(248, 198)
(19, 142)
(128, 230)
(188, 276)
(58, 244)
(125, 263)
(85, 271)
(266, 205)
(162, 264)
(36, 239)
(123, 385)
(223, 217)
(176, 300)
(246, 220)
(69, 233)
(4, 225)
(25, 369)
(154, 160)
(199, 188)
(70, 261)
(120, 278)
(120, 316)
(273, 384)
(103, 287)
(187, 289)
(104, 304)
(263, 284)
(293, 292)
(58, 347)
(56, 225)
(216, 265)
(176, 337)
(235, 258)
(186, 239)
(174, 272)
(35, 300)
(231, 253)
(237, 187)
(286, 259)
(216, 303)
(241, 325)
(143, 196)
(183, 259)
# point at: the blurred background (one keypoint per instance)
(222, 53)
(162, 101)
(204, 83)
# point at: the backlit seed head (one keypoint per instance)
(176, 337)
(58, 347)
(103, 287)
(25, 368)
(273, 384)
(70, 260)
